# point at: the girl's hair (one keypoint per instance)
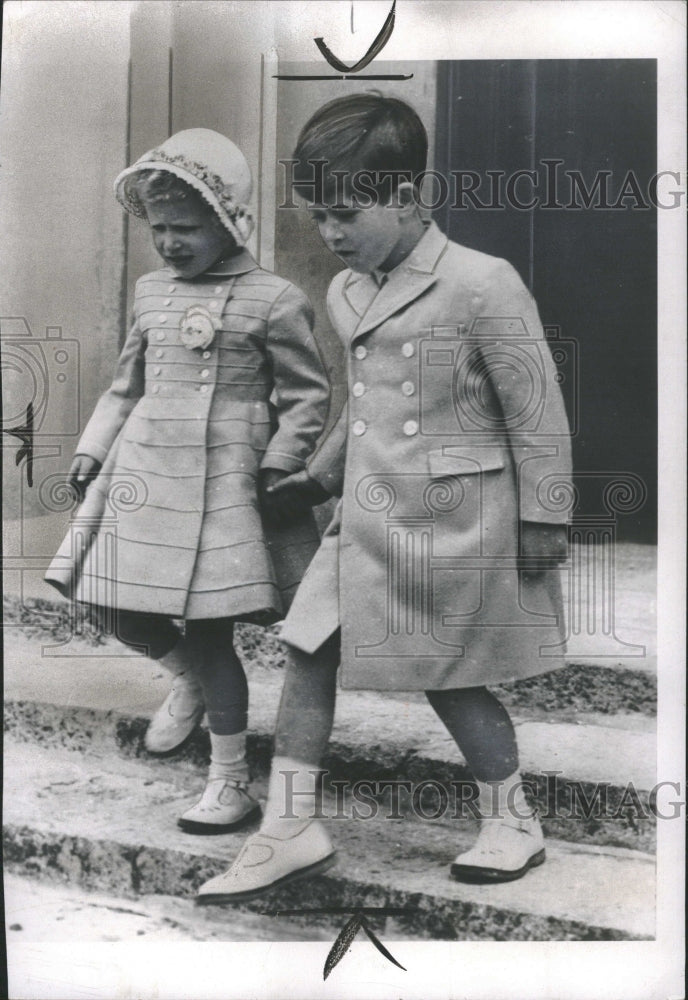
(162, 186)
(364, 132)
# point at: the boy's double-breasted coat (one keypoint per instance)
(171, 525)
(454, 434)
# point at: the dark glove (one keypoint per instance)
(543, 546)
(82, 471)
(285, 496)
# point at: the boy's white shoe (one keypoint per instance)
(271, 857)
(224, 806)
(505, 850)
(177, 717)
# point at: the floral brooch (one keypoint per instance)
(198, 328)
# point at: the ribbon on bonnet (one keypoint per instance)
(211, 164)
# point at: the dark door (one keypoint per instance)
(586, 129)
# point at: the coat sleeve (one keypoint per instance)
(524, 378)
(301, 391)
(115, 405)
(327, 463)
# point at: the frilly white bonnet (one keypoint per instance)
(211, 164)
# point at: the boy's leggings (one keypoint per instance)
(476, 720)
(211, 647)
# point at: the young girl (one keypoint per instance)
(219, 393)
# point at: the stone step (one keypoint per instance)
(36, 911)
(604, 684)
(107, 822)
(612, 614)
(597, 789)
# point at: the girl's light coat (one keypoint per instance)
(454, 432)
(172, 525)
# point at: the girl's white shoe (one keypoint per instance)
(224, 806)
(505, 850)
(177, 717)
(284, 851)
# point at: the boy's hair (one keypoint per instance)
(363, 133)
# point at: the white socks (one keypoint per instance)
(503, 799)
(178, 661)
(292, 793)
(228, 758)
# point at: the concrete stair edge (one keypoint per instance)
(571, 808)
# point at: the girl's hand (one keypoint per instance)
(543, 546)
(284, 496)
(83, 469)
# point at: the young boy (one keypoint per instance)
(438, 571)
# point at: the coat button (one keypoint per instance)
(359, 427)
(218, 290)
(160, 335)
(360, 352)
(205, 373)
(156, 389)
(408, 388)
(410, 428)
(206, 354)
(407, 349)
(171, 288)
(162, 318)
(157, 370)
(159, 353)
(214, 304)
(204, 388)
(167, 302)
(358, 389)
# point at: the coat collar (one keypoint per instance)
(373, 302)
(238, 263)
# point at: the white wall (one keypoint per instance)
(63, 133)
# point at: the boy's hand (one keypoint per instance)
(284, 496)
(82, 470)
(546, 544)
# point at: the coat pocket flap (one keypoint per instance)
(457, 460)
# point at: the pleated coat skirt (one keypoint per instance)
(172, 523)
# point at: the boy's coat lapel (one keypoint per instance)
(406, 282)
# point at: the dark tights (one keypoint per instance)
(211, 646)
(477, 721)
